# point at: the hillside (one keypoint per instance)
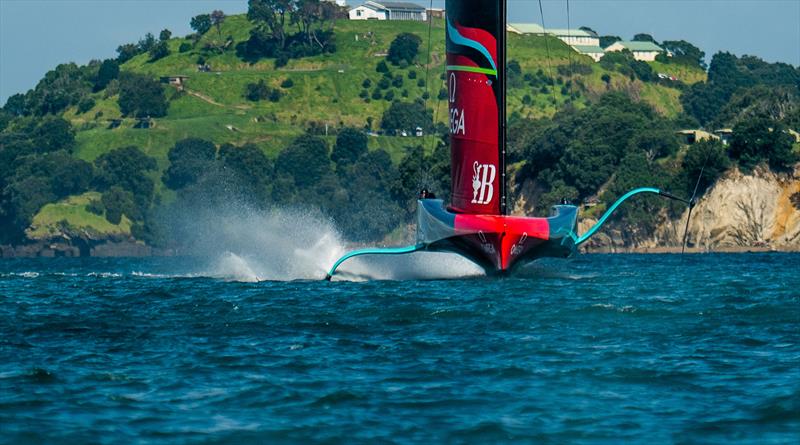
(323, 94)
(325, 89)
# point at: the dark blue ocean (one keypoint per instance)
(599, 349)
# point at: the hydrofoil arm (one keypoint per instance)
(373, 251)
(583, 238)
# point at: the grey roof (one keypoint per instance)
(535, 28)
(563, 32)
(587, 49)
(640, 46)
(527, 28)
(400, 5)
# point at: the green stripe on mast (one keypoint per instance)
(472, 69)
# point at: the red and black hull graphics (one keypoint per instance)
(498, 243)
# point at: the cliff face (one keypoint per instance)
(760, 210)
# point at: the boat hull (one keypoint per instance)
(498, 243)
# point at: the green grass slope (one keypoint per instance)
(326, 88)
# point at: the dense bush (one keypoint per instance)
(261, 91)
(407, 116)
(141, 96)
(404, 47)
(350, 144)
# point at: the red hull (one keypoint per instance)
(496, 242)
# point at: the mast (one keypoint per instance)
(476, 85)
(501, 68)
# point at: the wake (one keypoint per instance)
(292, 244)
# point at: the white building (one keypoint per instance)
(568, 36)
(584, 42)
(576, 37)
(593, 51)
(373, 10)
(645, 51)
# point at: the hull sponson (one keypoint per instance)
(498, 243)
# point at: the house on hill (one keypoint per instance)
(593, 51)
(437, 13)
(525, 28)
(177, 81)
(568, 36)
(691, 136)
(644, 51)
(582, 41)
(373, 10)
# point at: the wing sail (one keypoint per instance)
(476, 86)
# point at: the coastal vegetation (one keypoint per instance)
(290, 105)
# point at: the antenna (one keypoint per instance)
(692, 202)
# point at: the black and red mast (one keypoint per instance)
(476, 59)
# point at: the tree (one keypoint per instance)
(159, 51)
(704, 161)
(407, 116)
(118, 202)
(351, 144)
(217, 17)
(147, 42)
(606, 41)
(260, 91)
(201, 23)
(164, 35)
(404, 47)
(373, 214)
(188, 159)
(761, 139)
(52, 134)
(66, 85)
(704, 100)
(306, 161)
(108, 71)
(633, 171)
(271, 15)
(656, 143)
(252, 170)
(127, 52)
(642, 37)
(141, 96)
(684, 52)
(127, 168)
(15, 105)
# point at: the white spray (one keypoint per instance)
(243, 244)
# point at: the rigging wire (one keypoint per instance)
(547, 48)
(420, 179)
(569, 38)
(692, 201)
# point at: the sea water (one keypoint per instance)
(600, 349)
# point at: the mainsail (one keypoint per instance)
(476, 86)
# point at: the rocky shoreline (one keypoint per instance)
(67, 250)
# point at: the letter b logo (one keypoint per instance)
(482, 183)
